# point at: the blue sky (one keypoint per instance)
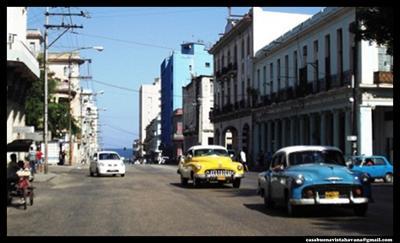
(136, 40)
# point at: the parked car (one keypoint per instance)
(107, 163)
(377, 167)
(209, 163)
(313, 175)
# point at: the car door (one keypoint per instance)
(378, 167)
(276, 174)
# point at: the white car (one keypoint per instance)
(107, 163)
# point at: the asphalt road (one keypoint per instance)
(149, 201)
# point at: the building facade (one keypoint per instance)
(305, 91)
(22, 70)
(233, 73)
(198, 99)
(176, 71)
(177, 137)
(153, 139)
(149, 108)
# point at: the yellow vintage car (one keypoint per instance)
(209, 163)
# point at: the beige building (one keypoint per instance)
(233, 71)
(198, 99)
(149, 108)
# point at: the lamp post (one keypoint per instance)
(98, 48)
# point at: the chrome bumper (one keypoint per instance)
(323, 201)
(211, 177)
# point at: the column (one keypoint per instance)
(364, 127)
(283, 129)
(292, 130)
(312, 129)
(323, 128)
(269, 137)
(276, 135)
(301, 130)
(347, 131)
(262, 136)
(336, 131)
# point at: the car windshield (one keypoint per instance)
(325, 156)
(108, 156)
(208, 152)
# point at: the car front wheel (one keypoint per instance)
(236, 183)
(388, 178)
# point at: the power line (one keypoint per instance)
(150, 13)
(120, 129)
(125, 41)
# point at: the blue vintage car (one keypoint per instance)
(313, 175)
(377, 167)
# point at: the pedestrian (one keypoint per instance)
(61, 157)
(32, 159)
(243, 159)
(39, 160)
(12, 169)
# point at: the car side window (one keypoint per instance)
(283, 161)
(276, 162)
(379, 161)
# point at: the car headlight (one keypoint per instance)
(239, 167)
(299, 180)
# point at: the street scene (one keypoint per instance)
(200, 121)
(150, 201)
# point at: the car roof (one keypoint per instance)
(207, 147)
(297, 148)
(107, 152)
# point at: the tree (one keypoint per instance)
(376, 24)
(57, 112)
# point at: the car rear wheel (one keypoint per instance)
(236, 183)
(361, 210)
(122, 175)
(388, 178)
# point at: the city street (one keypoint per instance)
(149, 201)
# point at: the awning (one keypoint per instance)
(19, 145)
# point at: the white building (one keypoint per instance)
(304, 84)
(22, 70)
(233, 71)
(153, 138)
(149, 107)
(198, 99)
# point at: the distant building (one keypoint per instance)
(176, 71)
(304, 81)
(22, 70)
(198, 99)
(177, 137)
(149, 108)
(233, 74)
(153, 138)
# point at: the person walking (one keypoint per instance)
(243, 160)
(39, 156)
(32, 159)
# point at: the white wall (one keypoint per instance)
(149, 106)
(17, 22)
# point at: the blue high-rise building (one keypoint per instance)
(177, 71)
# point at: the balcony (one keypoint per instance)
(20, 57)
(382, 77)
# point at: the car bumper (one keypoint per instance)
(217, 178)
(323, 201)
(111, 171)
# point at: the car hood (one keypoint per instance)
(323, 172)
(215, 162)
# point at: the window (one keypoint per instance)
(207, 64)
(278, 74)
(316, 61)
(304, 56)
(32, 46)
(258, 78)
(286, 71)
(327, 58)
(339, 35)
(242, 49)
(295, 67)
(235, 54)
(271, 76)
(378, 161)
(248, 45)
(265, 79)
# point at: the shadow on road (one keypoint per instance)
(201, 186)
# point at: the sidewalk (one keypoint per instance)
(55, 170)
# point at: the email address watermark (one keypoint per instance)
(357, 240)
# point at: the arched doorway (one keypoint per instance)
(246, 137)
(229, 138)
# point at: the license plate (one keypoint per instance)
(332, 195)
(221, 178)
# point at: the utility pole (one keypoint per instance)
(46, 47)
